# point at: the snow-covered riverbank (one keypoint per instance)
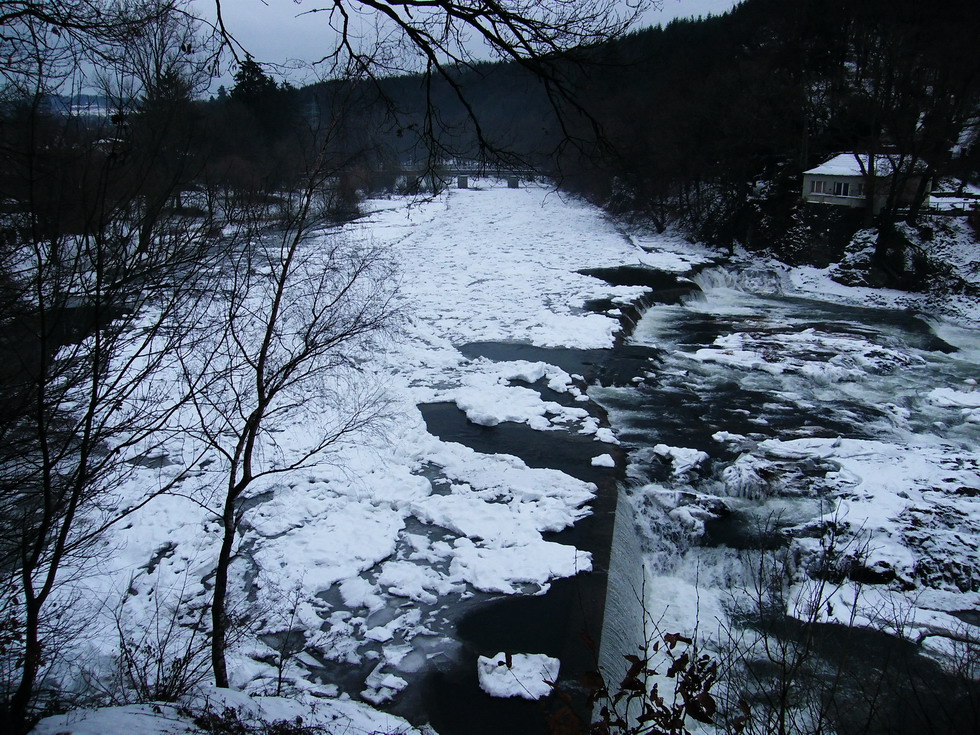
(367, 556)
(363, 553)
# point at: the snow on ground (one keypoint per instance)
(948, 242)
(334, 715)
(818, 282)
(361, 553)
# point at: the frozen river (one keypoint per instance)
(832, 446)
(766, 440)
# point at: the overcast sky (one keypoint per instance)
(274, 31)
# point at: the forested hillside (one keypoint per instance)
(712, 122)
(706, 124)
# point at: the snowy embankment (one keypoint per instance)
(360, 554)
(949, 246)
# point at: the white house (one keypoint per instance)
(843, 181)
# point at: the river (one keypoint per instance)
(798, 479)
(794, 455)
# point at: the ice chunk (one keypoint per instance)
(950, 398)
(727, 436)
(502, 570)
(603, 460)
(418, 583)
(683, 459)
(606, 435)
(527, 675)
(358, 592)
(747, 477)
(380, 687)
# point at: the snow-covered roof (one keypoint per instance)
(848, 164)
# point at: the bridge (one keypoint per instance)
(443, 175)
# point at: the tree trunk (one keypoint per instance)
(219, 618)
(920, 196)
(18, 714)
(870, 187)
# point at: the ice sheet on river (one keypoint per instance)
(362, 553)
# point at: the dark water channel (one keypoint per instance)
(559, 623)
(567, 621)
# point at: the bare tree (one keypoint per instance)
(374, 39)
(101, 321)
(95, 313)
(161, 658)
(299, 310)
(32, 27)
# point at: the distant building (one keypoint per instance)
(843, 180)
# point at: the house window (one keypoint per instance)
(841, 188)
(858, 190)
(817, 187)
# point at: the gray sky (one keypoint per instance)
(273, 31)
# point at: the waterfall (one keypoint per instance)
(753, 279)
